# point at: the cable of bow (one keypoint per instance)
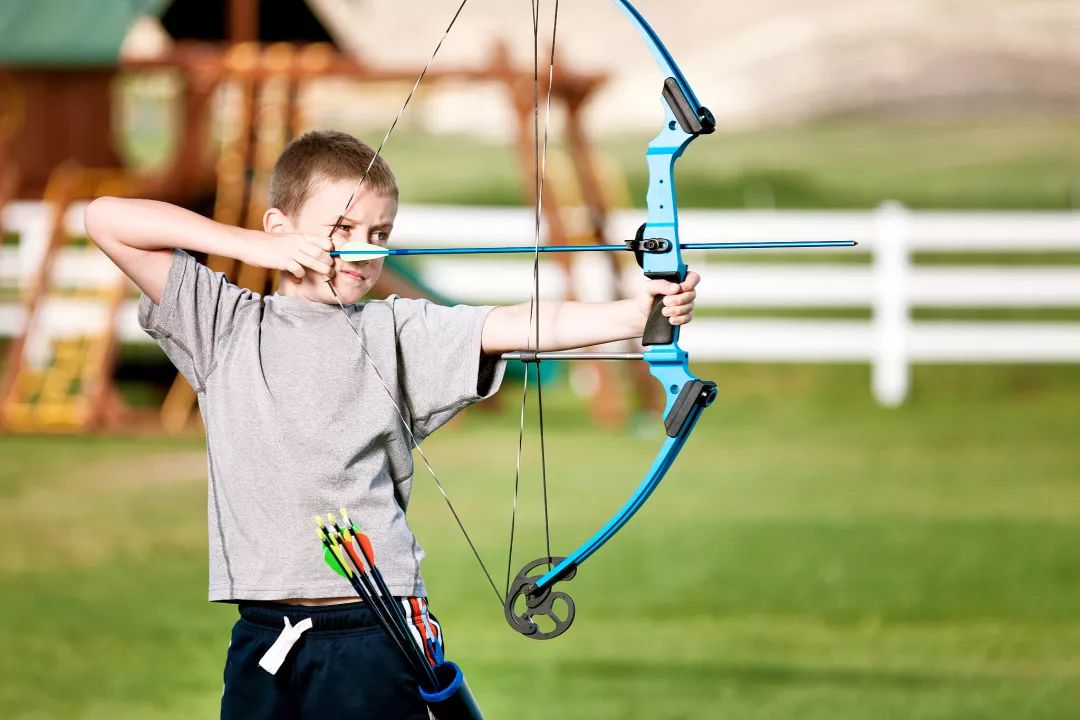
(406, 425)
(532, 339)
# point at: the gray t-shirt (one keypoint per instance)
(298, 423)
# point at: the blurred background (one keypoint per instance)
(878, 517)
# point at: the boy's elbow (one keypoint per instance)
(96, 217)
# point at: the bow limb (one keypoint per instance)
(667, 63)
(532, 594)
(698, 396)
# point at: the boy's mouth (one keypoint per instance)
(351, 274)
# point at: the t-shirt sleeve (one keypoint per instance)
(442, 367)
(197, 314)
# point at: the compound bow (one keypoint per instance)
(532, 594)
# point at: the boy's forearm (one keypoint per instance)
(140, 235)
(572, 325)
(155, 225)
(564, 325)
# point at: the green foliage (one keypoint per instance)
(810, 555)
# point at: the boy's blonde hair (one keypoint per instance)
(325, 155)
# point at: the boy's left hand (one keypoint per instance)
(678, 298)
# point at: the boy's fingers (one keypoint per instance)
(682, 311)
(317, 263)
(675, 310)
(682, 299)
(679, 309)
(322, 242)
(662, 287)
(681, 319)
(296, 270)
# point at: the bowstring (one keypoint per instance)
(397, 408)
(389, 130)
(540, 151)
(536, 281)
(427, 464)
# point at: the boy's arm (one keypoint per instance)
(140, 235)
(568, 325)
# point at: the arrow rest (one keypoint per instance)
(543, 603)
(641, 245)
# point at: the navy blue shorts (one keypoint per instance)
(343, 667)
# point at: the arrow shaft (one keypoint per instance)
(510, 249)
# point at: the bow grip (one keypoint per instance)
(658, 329)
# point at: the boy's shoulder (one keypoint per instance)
(414, 318)
(406, 306)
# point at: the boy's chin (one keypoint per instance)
(319, 291)
(346, 293)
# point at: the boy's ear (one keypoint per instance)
(275, 220)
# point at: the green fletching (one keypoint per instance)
(331, 559)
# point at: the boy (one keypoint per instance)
(300, 417)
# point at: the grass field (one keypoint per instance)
(810, 555)
(984, 162)
(989, 162)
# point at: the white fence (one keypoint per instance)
(887, 284)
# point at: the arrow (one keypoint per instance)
(368, 552)
(336, 552)
(340, 547)
(364, 252)
(350, 539)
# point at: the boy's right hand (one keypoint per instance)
(294, 253)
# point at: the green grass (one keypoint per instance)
(991, 163)
(810, 555)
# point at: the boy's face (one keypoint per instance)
(370, 219)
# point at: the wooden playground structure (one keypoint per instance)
(251, 92)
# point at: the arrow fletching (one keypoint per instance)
(365, 547)
(332, 554)
(361, 538)
(361, 251)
